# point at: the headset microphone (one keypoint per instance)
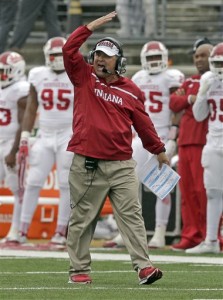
(104, 70)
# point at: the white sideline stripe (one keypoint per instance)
(114, 256)
(41, 200)
(206, 265)
(62, 272)
(107, 288)
(101, 272)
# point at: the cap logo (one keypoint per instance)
(106, 44)
(107, 47)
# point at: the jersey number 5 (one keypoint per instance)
(156, 105)
(48, 98)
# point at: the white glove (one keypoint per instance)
(171, 147)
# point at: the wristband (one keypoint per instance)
(25, 135)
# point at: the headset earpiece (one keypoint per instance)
(120, 65)
(121, 61)
(90, 57)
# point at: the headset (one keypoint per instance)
(121, 60)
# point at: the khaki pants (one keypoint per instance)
(89, 189)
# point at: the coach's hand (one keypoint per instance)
(101, 21)
(162, 159)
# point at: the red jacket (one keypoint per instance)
(191, 132)
(104, 113)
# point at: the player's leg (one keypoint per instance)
(214, 212)
(116, 242)
(40, 163)
(212, 157)
(163, 208)
(106, 228)
(213, 170)
(11, 181)
(63, 162)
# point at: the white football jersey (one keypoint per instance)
(9, 97)
(55, 97)
(215, 101)
(156, 89)
(209, 103)
(214, 106)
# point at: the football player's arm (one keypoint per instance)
(175, 117)
(171, 144)
(10, 159)
(200, 108)
(31, 109)
(28, 122)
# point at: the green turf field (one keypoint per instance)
(46, 278)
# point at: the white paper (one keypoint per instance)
(160, 182)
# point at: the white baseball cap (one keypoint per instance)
(107, 47)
